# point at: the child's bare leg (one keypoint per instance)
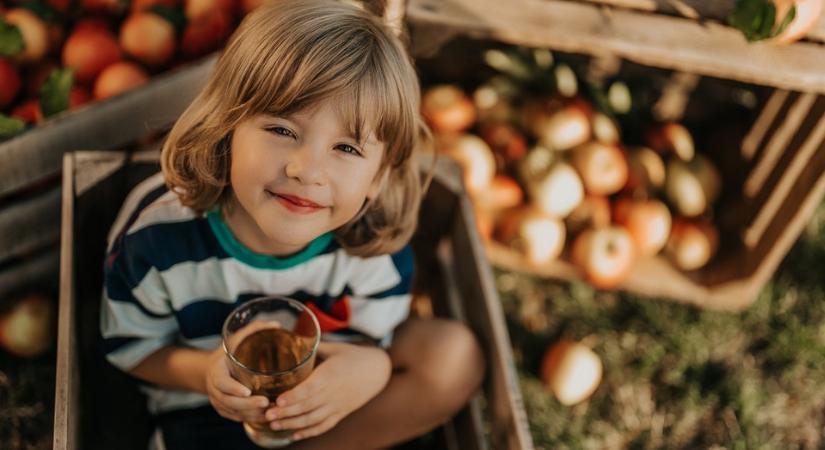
(437, 366)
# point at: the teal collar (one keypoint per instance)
(260, 260)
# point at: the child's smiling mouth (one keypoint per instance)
(295, 204)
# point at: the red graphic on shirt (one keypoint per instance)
(336, 318)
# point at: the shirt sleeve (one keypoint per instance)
(136, 316)
(381, 293)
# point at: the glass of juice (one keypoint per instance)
(270, 343)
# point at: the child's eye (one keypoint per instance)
(348, 149)
(281, 131)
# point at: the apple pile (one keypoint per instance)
(27, 326)
(550, 176)
(56, 55)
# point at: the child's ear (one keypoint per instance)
(377, 184)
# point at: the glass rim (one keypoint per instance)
(291, 301)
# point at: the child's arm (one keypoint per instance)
(204, 372)
(349, 376)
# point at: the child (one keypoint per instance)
(290, 174)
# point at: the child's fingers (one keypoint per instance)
(316, 430)
(256, 402)
(302, 421)
(308, 389)
(295, 409)
(230, 386)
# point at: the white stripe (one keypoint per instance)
(373, 275)
(126, 319)
(166, 209)
(161, 400)
(226, 279)
(138, 193)
(152, 293)
(376, 318)
(130, 355)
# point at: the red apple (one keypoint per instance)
(571, 370)
(605, 255)
(447, 109)
(28, 111)
(692, 243)
(673, 138)
(592, 212)
(35, 34)
(148, 37)
(89, 51)
(603, 167)
(78, 96)
(28, 329)
(647, 221)
(118, 78)
(91, 23)
(557, 191)
(646, 170)
(692, 187)
(505, 140)
(205, 33)
(475, 158)
(9, 83)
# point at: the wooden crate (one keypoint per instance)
(774, 167)
(97, 406)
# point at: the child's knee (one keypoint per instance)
(454, 365)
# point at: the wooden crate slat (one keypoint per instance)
(510, 428)
(778, 190)
(67, 397)
(777, 144)
(38, 153)
(767, 116)
(656, 40)
(698, 9)
(37, 270)
(30, 224)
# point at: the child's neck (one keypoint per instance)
(251, 236)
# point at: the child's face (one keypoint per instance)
(295, 178)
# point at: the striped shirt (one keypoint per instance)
(171, 277)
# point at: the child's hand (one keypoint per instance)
(349, 376)
(229, 397)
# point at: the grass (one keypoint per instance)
(677, 377)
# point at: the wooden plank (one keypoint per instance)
(30, 224)
(38, 269)
(509, 427)
(698, 9)
(767, 116)
(38, 153)
(777, 144)
(656, 40)
(67, 398)
(788, 176)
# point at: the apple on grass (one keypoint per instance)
(605, 255)
(603, 167)
(27, 329)
(571, 370)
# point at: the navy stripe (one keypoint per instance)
(204, 317)
(110, 345)
(147, 200)
(404, 261)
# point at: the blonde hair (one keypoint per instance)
(287, 56)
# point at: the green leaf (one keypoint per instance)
(9, 126)
(787, 20)
(11, 40)
(54, 95)
(756, 19)
(174, 15)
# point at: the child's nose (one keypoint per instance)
(305, 166)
